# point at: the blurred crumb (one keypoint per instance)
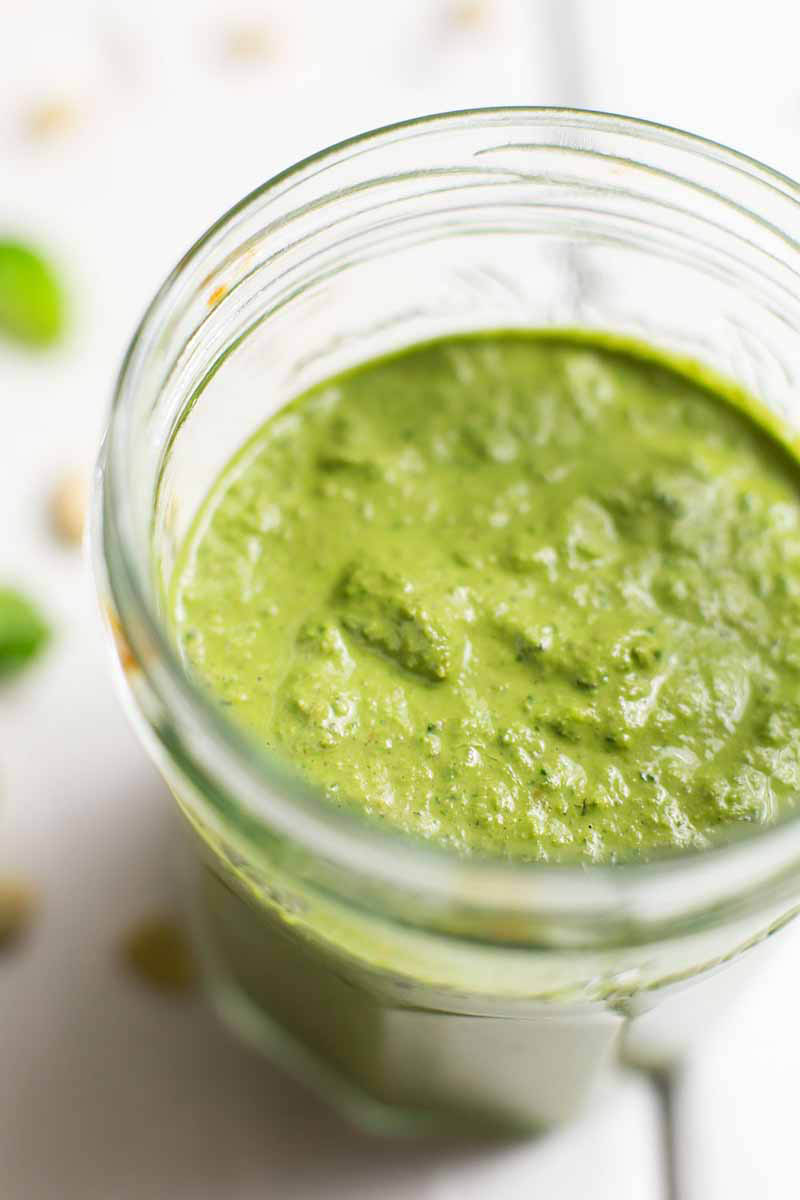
(68, 503)
(158, 952)
(469, 14)
(249, 43)
(18, 903)
(51, 119)
(217, 295)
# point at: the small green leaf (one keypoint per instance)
(31, 300)
(23, 631)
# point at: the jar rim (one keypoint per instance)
(295, 809)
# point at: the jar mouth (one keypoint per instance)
(251, 790)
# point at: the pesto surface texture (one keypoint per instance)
(524, 596)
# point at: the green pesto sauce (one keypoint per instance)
(527, 596)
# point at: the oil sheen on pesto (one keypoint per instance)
(522, 596)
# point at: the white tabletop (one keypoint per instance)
(110, 1092)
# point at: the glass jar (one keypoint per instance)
(411, 986)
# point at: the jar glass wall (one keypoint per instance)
(410, 985)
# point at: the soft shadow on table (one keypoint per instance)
(103, 1115)
(120, 1092)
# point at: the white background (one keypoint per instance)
(108, 1092)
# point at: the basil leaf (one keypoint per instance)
(31, 300)
(23, 631)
